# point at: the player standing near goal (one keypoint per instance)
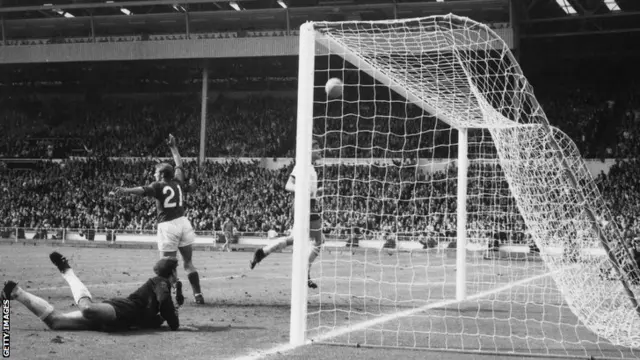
(174, 229)
(148, 307)
(227, 229)
(315, 224)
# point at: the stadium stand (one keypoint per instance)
(604, 124)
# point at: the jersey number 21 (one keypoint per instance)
(169, 201)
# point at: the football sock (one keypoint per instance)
(313, 255)
(73, 315)
(39, 306)
(78, 289)
(194, 280)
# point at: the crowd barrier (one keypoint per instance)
(212, 240)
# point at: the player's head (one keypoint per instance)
(164, 171)
(316, 152)
(166, 267)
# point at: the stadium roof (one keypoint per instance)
(106, 7)
(56, 8)
(572, 29)
(538, 18)
(536, 9)
(33, 19)
(575, 17)
(549, 31)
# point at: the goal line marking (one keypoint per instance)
(282, 348)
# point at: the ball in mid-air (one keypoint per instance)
(333, 88)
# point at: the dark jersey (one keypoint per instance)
(147, 307)
(169, 198)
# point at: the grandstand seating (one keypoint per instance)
(73, 193)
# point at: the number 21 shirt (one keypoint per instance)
(169, 199)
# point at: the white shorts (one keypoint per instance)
(175, 234)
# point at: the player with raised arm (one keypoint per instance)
(148, 307)
(315, 224)
(174, 229)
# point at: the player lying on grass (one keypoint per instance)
(175, 232)
(315, 222)
(148, 307)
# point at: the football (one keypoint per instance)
(333, 88)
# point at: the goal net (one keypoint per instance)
(455, 217)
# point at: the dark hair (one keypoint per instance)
(166, 170)
(165, 266)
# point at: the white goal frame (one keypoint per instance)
(569, 167)
(309, 41)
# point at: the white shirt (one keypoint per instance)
(313, 179)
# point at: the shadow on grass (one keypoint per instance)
(187, 328)
(212, 328)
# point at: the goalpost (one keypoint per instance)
(437, 151)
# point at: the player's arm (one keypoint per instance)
(147, 190)
(179, 171)
(138, 190)
(167, 309)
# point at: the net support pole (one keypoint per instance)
(301, 245)
(461, 226)
(203, 114)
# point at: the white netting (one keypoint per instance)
(390, 146)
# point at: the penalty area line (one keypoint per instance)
(282, 348)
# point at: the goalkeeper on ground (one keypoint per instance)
(148, 307)
(315, 225)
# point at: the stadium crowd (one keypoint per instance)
(74, 193)
(128, 128)
(265, 127)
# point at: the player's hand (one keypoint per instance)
(117, 191)
(171, 141)
(319, 191)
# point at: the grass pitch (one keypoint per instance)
(247, 312)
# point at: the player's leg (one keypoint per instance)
(277, 244)
(168, 240)
(192, 272)
(37, 305)
(74, 320)
(185, 246)
(315, 232)
(54, 319)
(78, 289)
(103, 313)
(227, 241)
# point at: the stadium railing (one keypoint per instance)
(374, 240)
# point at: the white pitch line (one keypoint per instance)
(366, 324)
